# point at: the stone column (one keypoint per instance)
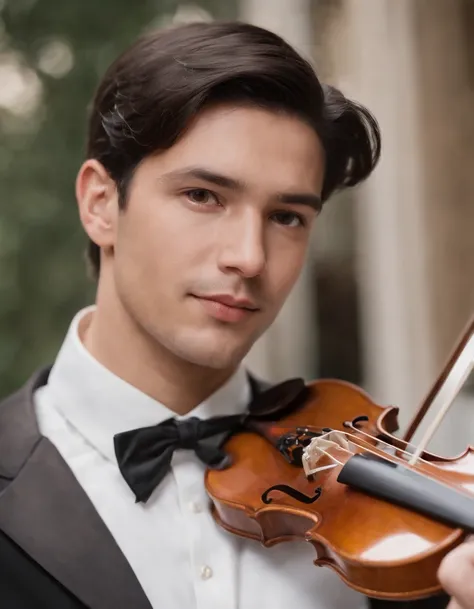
(376, 57)
(446, 81)
(446, 84)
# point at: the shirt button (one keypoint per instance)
(195, 507)
(206, 572)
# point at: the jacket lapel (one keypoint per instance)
(45, 511)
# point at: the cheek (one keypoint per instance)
(284, 269)
(160, 244)
(148, 237)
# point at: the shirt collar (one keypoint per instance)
(99, 404)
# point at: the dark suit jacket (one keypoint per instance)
(55, 551)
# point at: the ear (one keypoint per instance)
(97, 198)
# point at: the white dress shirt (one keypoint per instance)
(182, 559)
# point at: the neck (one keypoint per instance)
(114, 340)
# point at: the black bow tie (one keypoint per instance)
(144, 455)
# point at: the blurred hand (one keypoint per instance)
(456, 575)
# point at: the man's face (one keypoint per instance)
(215, 232)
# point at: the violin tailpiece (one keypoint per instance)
(292, 444)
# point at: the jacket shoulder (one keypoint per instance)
(19, 430)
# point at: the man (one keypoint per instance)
(211, 149)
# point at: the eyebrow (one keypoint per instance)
(200, 173)
(297, 198)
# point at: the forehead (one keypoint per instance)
(263, 148)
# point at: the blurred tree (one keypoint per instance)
(52, 54)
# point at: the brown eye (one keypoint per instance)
(200, 196)
(289, 219)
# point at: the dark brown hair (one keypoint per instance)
(151, 92)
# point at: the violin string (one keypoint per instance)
(336, 462)
(402, 450)
(330, 456)
(407, 444)
(405, 452)
(379, 440)
(374, 452)
(428, 464)
(358, 441)
(347, 451)
(392, 458)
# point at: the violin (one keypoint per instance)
(330, 471)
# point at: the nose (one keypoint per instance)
(243, 247)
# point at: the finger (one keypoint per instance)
(453, 604)
(456, 575)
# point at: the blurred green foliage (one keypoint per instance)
(43, 279)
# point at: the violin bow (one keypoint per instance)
(443, 393)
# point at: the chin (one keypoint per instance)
(219, 353)
(218, 359)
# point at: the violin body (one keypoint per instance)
(381, 549)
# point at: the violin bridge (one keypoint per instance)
(318, 450)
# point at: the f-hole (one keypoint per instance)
(292, 492)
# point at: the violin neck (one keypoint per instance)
(403, 486)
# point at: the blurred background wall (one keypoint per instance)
(387, 288)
